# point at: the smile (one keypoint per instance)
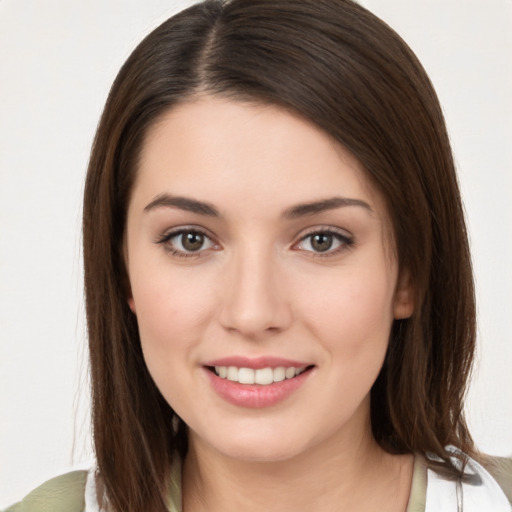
(260, 376)
(257, 387)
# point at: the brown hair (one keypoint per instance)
(339, 66)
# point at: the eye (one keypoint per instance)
(187, 242)
(324, 242)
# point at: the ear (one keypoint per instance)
(126, 281)
(128, 293)
(131, 304)
(403, 306)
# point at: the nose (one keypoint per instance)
(255, 303)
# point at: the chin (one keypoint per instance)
(265, 445)
(258, 454)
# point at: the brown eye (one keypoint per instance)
(187, 242)
(325, 243)
(192, 241)
(321, 242)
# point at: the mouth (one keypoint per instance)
(257, 382)
(262, 376)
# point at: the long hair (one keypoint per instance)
(339, 66)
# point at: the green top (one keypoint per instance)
(65, 493)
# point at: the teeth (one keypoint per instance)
(289, 373)
(279, 374)
(232, 373)
(262, 376)
(246, 376)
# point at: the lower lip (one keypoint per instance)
(255, 396)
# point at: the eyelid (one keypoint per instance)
(347, 240)
(168, 235)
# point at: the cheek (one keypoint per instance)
(163, 303)
(172, 314)
(352, 311)
(172, 309)
(352, 320)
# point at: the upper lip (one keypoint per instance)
(256, 362)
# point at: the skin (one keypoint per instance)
(257, 287)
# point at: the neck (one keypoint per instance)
(356, 476)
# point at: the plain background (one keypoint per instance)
(57, 61)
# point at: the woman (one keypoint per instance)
(279, 292)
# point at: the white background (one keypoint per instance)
(57, 61)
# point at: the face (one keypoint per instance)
(263, 279)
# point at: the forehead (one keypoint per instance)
(243, 155)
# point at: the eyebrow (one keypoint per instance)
(313, 208)
(183, 203)
(300, 210)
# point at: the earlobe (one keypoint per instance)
(131, 304)
(126, 281)
(404, 297)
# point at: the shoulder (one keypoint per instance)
(486, 485)
(65, 493)
(501, 470)
(77, 492)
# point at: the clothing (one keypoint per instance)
(488, 489)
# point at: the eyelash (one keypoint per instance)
(345, 241)
(167, 237)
